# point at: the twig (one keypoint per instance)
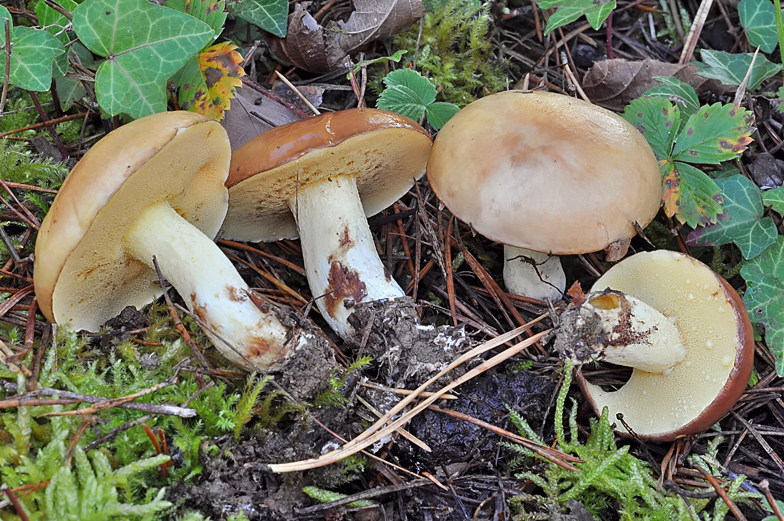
(47, 123)
(723, 494)
(115, 402)
(774, 506)
(11, 497)
(694, 31)
(298, 93)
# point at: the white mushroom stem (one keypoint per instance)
(211, 287)
(341, 261)
(533, 274)
(638, 335)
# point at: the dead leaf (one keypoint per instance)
(576, 293)
(220, 66)
(315, 95)
(612, 84)
(314, 48)
(251, 114)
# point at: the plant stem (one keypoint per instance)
(779, 28)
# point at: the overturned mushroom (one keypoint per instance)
(318, 179)
(684, 379)
(153, 188)
(547, 173)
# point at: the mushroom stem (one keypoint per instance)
(341, 261)
(211, 287)
(533, 274)
(635, 334)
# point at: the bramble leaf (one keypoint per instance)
(569, 11)
(439, 113)
(689, 193)
(741, 221)
(412, 95)
(730, 69)
(715, 134)
(682, 94)
(758, 20)
(270, 15)
(658, 120)
(211, 12)
(764, 297)
(144, 45)
(208, 81)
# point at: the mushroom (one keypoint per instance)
(542, 172)
(153, 188)
(663, 403)
(318, 179)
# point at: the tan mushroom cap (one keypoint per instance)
(545, 172)
(386, 152)
(716, 331)
(83, 277)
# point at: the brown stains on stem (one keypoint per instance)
(345, 288)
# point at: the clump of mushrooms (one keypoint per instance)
(318, 179)
(681, 327)
(545, 174)
(154, 188)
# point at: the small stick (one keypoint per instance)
(11, 497)
(450, 280)
(424, 394)
(47, 123)
(114, 402)
(765, 487)
(723, 494)
(403, 432)
(298, 93)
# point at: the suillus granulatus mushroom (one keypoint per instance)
(153, 188)
(684, 380)
(318, 179)
(544, 174)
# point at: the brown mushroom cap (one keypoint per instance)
(83, 277)
(545, 172)
(386, 152)
(716, 331)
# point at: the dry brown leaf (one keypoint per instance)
(310, 46)
(614, 83)
(251, 114)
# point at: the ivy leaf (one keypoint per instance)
(689, 193)
(208, 81)
(741, 221)
(32, 52)
(764, 297)
(715, 134)
(682, 94)
(758, 20)
(270, 15)
(658, 120)
(412, 95)
(730, 69)
(774, 198)
(55, 24)
(211, 12)
(569, 11)
(153, 44)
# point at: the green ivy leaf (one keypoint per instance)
(741, 221)
(32, 52)
(690, 194)
(682, 94)
(412, 95)
(570, 10)
(68, 91)
(658, 120)
(758, 20)
(730, 69)
(774, 198)
(715, 134)
(764, 297)
(144, 44)
(211, 12)
(270, 15)
(55, 23)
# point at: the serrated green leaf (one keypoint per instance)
(658, 120)
(774, 198)
(439, 113)
(421, 86)
(730, 69)
(689, 194)
(758, 20)
(681, 94)
(570, 10)
(32, 52)
(764, 297)
(211, 12)
(270, 15)
(741, 221)
(144, 44)
(402, 100)
(715, 134)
